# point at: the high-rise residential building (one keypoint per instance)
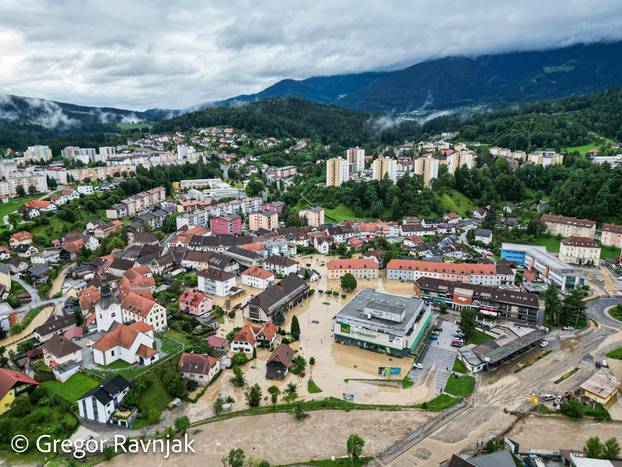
(263, 220)
(37, 153)
(356, 159)
(337, 171)
(314, 216)
(184, 151)
(384, 167)
(105, 152)
(459, 159)
(428, 168)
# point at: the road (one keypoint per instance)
(35, 300)
(596, 310)
(438, 357)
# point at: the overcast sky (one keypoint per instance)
(142, 54)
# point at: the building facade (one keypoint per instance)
(569, 226)
(579, 250)
(337, 171)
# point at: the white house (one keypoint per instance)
(131, 343)
(484, 236)
(257, 277)
(142, 309)
(85, 190)
(244, 341)
(216, 282)
(198, 368)
(101, 402)
(58, 350)
(281, 265)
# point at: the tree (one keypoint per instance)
(573, 310)
(572, 409)
(348, 282)
(263, 463)
(298, 365)
(182, 424)
(594, 448)
(299, 411)
(295, 328)
(32, 189)
(253, 396)
(355, 445)
(552, 305)
(442, 307)
(235, 458)
(19, 191)
(468, 320)
(611, 449)
(218, 405)
(274, 394)
(278, 318)
(175, 383)
(238, 377)
(312, 361)
(79, 317)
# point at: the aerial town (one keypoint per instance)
(146, 309)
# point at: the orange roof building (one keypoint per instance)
(360, 268)
(470, 273)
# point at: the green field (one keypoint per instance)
(72, 389)
(454, 201)
(551, 243)
(616, 354)
(461, 386)
(14, 204)
(344, 213)
(459, 367)
(132, 126)
(478, 337)
(616, 312)
(609, 252)
(312, 387)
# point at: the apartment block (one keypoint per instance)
(356, 159)
(38, 153)
(263, 220)
(427, 167)
(569, 226)
(611, 235)
(314, 216)
(384, 167)
(337, 171)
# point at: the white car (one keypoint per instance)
(419, 366)
(547, 397)
(544, 344)
(568, 328)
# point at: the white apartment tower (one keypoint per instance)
(356, 159)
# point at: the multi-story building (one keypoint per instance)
(194, 303)
(469, 273)
(263, 220)
(356, 159)
(30, 182)
(337, 171)
(216, 282)
(135, 307)
(278, 297)
(545, 158)
(611, 235)
(427, 167)
(257, 277)
(359, 268)
(314, 216)
(281, 265)
(384, 167)
(490, 301)
(457, 159)
(579, 250)
(545, 265)
(37, 153)
(286, 171)
(569, 226)
(227, 224)
(106, 151)
(382, 322)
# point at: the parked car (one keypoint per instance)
(601, 363)
(544, 344)
(568, 328)
(419, 366)
(547, 397)
(456, 343)
(434, 337)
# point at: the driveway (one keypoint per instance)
(441, 355)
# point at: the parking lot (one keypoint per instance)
(439, 357)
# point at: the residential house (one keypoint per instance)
(13, 384)
(5, 277)
(244, 340)
(611, 235)
(138, 308)
(257, 277)
(279, 362)
(280, 265)
(195, 303)
(55, 325)
(484, 236)
(266, 335)
(580, 250)
(20, 238)
(100, 403)
(58, 350)
(201, 369)
(216, 282)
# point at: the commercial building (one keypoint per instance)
(356, 159)
(569, 226)
(314, 216)
(337, 171)
(263, 220)
(579, 250)
(469, 273)
(427, 167)
(278, 297)
(384, 167)
(548, 267)
(382, 322)
(515, 305)
(359, 268)
(500, 351)
(611, 235)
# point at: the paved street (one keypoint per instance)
(439, 357)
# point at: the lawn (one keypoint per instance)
(458, 367)
(551, 243)
(616, 312)
(132, 126)
(609, 252)
(14, 204)
(152, 402)
(312, 387)
(583, 149)
(454, 201)
(73, 388)
(338, 462)
(461, 386)
(441, 402)
(478, 337)
(344, 213)
(616, 354)
(117, 365)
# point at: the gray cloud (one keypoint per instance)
(169, 53)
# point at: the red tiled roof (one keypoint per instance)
(121, 335)
(448, 268)
(216, 341)
(145, 351)
(612, 228)
(268, 331)
(568, 220)
(260, 273)
(245, 334)
(37, 204)
(89, 297)
(9, 378)
(21, 236)
(138, 304)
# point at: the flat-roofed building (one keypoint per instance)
(601, 387)
(382, 322)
